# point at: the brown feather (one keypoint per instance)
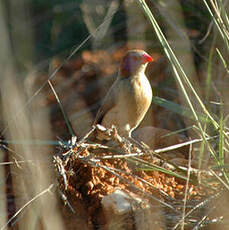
(108, 103)
(129, 97)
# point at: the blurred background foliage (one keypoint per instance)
(44, 32)
(59, 25)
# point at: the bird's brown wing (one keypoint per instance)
(108, 103)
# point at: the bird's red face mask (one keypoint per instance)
(131, 63)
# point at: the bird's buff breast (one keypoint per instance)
(133, 101)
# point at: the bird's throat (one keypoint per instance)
(126, 70)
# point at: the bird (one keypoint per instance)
(130, 96)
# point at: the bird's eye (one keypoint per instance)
(135, 58)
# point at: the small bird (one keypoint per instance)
(130, 96)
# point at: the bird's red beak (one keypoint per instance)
(147, 58)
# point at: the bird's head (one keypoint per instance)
(134, 62)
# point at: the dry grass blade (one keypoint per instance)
(26, 205)
(68, 123)
(186, 188)
(201, 204)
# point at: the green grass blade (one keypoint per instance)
(176, 108)
(177, 68)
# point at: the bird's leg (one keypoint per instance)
(138, 144)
